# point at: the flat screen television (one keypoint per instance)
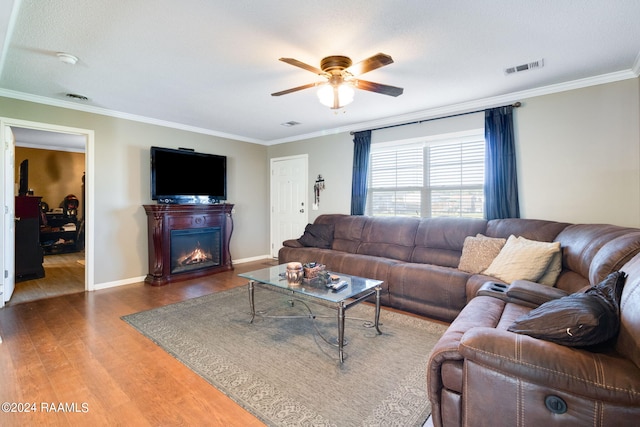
(184, 176)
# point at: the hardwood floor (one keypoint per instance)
(64, 274)
(74, 352)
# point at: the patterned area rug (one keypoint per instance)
(281, 369)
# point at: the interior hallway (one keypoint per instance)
(64, 274)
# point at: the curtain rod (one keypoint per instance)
(514, 105)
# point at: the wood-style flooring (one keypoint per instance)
(71, 361)
(63, 274)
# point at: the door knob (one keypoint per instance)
(301, 210)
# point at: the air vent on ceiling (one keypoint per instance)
(78, 97)
(290, 123)
(524, 67)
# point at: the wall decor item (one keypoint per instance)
(317, 188)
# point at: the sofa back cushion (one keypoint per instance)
(389, 237)
(347, 233)
(532, 229)
(628, 342)
(581, 246)
(440, 241)
(330, 218)
(613, 255)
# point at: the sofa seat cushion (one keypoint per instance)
(367, 266)
(303, 254)
(443, 289)
(475, 282)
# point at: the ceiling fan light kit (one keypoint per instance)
(335, 96)
(341, 74)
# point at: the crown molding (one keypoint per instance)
(635, 69)
(474, 105)
(459, 108)
(120, 115)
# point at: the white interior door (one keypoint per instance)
(8, 221)
(289, 199)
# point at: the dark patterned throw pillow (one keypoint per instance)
(317, 236)
(580, 319)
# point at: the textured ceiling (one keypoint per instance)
(211, 66)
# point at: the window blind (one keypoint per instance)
(428, 180)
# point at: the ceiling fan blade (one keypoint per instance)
(304, 66)
(294, 89)
(379, 88)
(376, 61)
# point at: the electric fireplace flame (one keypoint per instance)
(195, 249)
(197, 256)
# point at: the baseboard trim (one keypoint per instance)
(139, 279)
(117, 283)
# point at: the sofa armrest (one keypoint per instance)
(595, 376)
(483, 311)
(533, 293)
(292, 243)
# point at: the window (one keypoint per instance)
(435, 178)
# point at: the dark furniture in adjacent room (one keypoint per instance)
(29, 256)
(60, 232)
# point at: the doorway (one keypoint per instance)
(72, 270)
(289, 199)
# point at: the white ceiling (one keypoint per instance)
(48, 140)
(210, 66)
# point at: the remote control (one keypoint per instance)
(339, 286)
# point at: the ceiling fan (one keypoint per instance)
(341, 77)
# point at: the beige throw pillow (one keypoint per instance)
(554, 269)
(478, 252)
(522, 259)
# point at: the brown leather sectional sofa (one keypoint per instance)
(418, 258)
(480, 373)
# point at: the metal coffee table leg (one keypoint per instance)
(377, 318)
(251, 301)
(341, 332)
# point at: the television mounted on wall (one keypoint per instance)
(184, 176)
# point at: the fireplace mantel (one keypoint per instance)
(162, 219)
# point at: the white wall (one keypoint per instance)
(332, 157)
(578, 158)
(578, 155)
(122, 185)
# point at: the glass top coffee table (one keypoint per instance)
(357, 290)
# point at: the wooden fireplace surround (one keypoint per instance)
(163, 218)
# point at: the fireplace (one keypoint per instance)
(195, 249)
(187, 241)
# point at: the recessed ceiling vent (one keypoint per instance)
(289, 124)
(524, 67)
(76, 96)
